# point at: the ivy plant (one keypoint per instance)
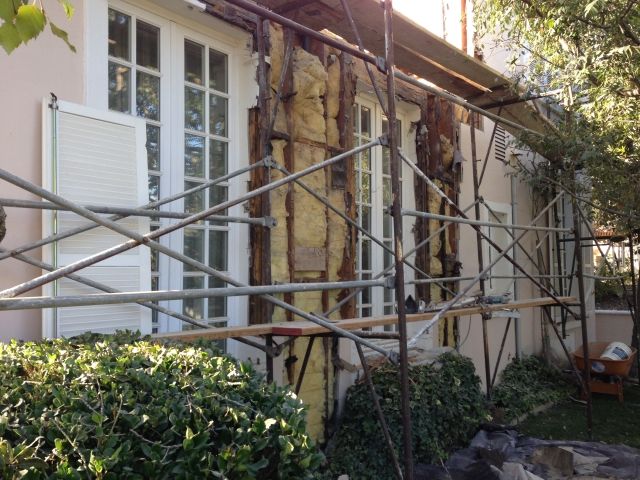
(526, 384)
(447, 406)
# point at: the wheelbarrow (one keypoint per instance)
(606, 375)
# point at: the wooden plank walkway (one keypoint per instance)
(306, 328)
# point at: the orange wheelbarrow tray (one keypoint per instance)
(618, 368)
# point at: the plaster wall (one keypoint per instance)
(29, 74)
(613, 326)
(495, 188)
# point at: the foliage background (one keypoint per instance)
(587, 52)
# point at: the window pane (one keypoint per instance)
(193, 109)
(217, 71)
(217, 115)
(119, 88)
(365, 160)
(366, 188)
(217, 195)
(356, 119)
(194, 202)
(193, 245)
(154, 262)
(365, 121)
(366, 255)
(386, 161)
(217, 305)
(194, 156)
(148, 96)
(388, 296)
(218, 249)
(147, 45)
(366, 218)
(387, 194)
(388, 258)
(119, 27)
(217, 159)
(193, 56)
(387, 226)
(154, 188)
(194, 307)
(153, 147)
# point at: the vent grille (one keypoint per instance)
(500, 144)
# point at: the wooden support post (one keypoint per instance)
(260, 310)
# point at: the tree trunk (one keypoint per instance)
(635, 369)
(3, 227)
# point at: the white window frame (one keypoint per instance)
(404, 114)
(489, 253)
(241, 86)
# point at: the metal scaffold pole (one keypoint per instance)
(583, 316)
(480, 255)
(396, 168)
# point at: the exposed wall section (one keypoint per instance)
(435, 146)
(311, 243)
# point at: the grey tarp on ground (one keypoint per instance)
(492, 453)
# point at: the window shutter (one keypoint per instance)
(99, 158)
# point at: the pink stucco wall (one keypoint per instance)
(28, 75)
(614, 326)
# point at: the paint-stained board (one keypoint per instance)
(310, 259)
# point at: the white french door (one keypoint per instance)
(183, 82)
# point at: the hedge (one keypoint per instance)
(447, 406)
(118, 408)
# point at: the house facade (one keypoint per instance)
(163, 97)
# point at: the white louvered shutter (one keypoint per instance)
(99, 158)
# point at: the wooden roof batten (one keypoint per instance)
(418, 52)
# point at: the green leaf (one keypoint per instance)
(30, 22)
(68, 8)
(7, 10)
(9, 37)
(260, 464)
(590, 6)
(58, 32)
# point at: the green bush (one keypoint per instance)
(527, 383)
(113, 408)
(447, 407)
(607, 289)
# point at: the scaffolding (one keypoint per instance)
(314, 325)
